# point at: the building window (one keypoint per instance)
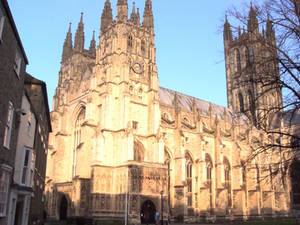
(143, 48)
(134, 125)
(8, 125)
(168, 163)
(29, 121)
(189, 180)
(17, 65)
(238, 60)
(227, 179)
(28, 167)
(209, 179)
(4, 185)
(77, 132)
(2, 19)
(241, 101)
(247, 56)
(129, 41)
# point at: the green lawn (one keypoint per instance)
(270, 222)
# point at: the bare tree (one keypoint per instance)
(272, 72)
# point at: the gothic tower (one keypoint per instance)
(106, 118)
(251, 70)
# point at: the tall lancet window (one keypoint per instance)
(209, 167)
(238, 60)
(167, 162)
(129, 42)
(143, 47)
(247, 56)
(189, 179)
(241, 102)
(77, 131)
(77, 136)
(227, 171)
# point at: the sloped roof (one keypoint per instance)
(186, 102)
(290, 118)
(32, 80)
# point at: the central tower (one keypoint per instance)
(106, 148)
(126, 71)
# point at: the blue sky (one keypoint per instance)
(188, 37)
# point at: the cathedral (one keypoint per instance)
(123, 147)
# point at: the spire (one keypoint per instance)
(92, 49)
(138, 15)
(68, 46)
(106, 18)
(122, 10)
(79, 37)
(252, 21)
(133, 8)
(270, 33)
(135, 16)
(227, 33)
(148, 15)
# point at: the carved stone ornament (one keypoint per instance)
(206, 130)
(166, 118)
(188, 124)
(241, 137)
(225, 133)
(137, 67)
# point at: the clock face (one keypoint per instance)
(137, 67)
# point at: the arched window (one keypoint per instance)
(143, 46)
(77, 136)
(241, 101)
(238, 60)
(77, 131)
(130, 41)
(189, 179)
(227, 175)
(138, 152)
(168, 163)
(251, 104)
(247, 56)
(295, 182)
(209, 167)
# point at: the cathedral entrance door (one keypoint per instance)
(148, 212)
(63, 208)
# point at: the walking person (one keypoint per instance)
(157, 215)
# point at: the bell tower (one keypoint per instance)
(126, 68)
(252, 73)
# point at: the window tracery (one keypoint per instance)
(189, 179)
(143, 46)
(238, 60)
(241, 102)
(130, 41)
(209, 178)
(78, 123)
(227, 176)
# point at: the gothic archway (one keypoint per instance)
(63, 208)
(295, 183)
(148, 212)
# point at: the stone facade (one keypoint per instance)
(23, 109)
(121, 145)
(37, 92)
(12, 71)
